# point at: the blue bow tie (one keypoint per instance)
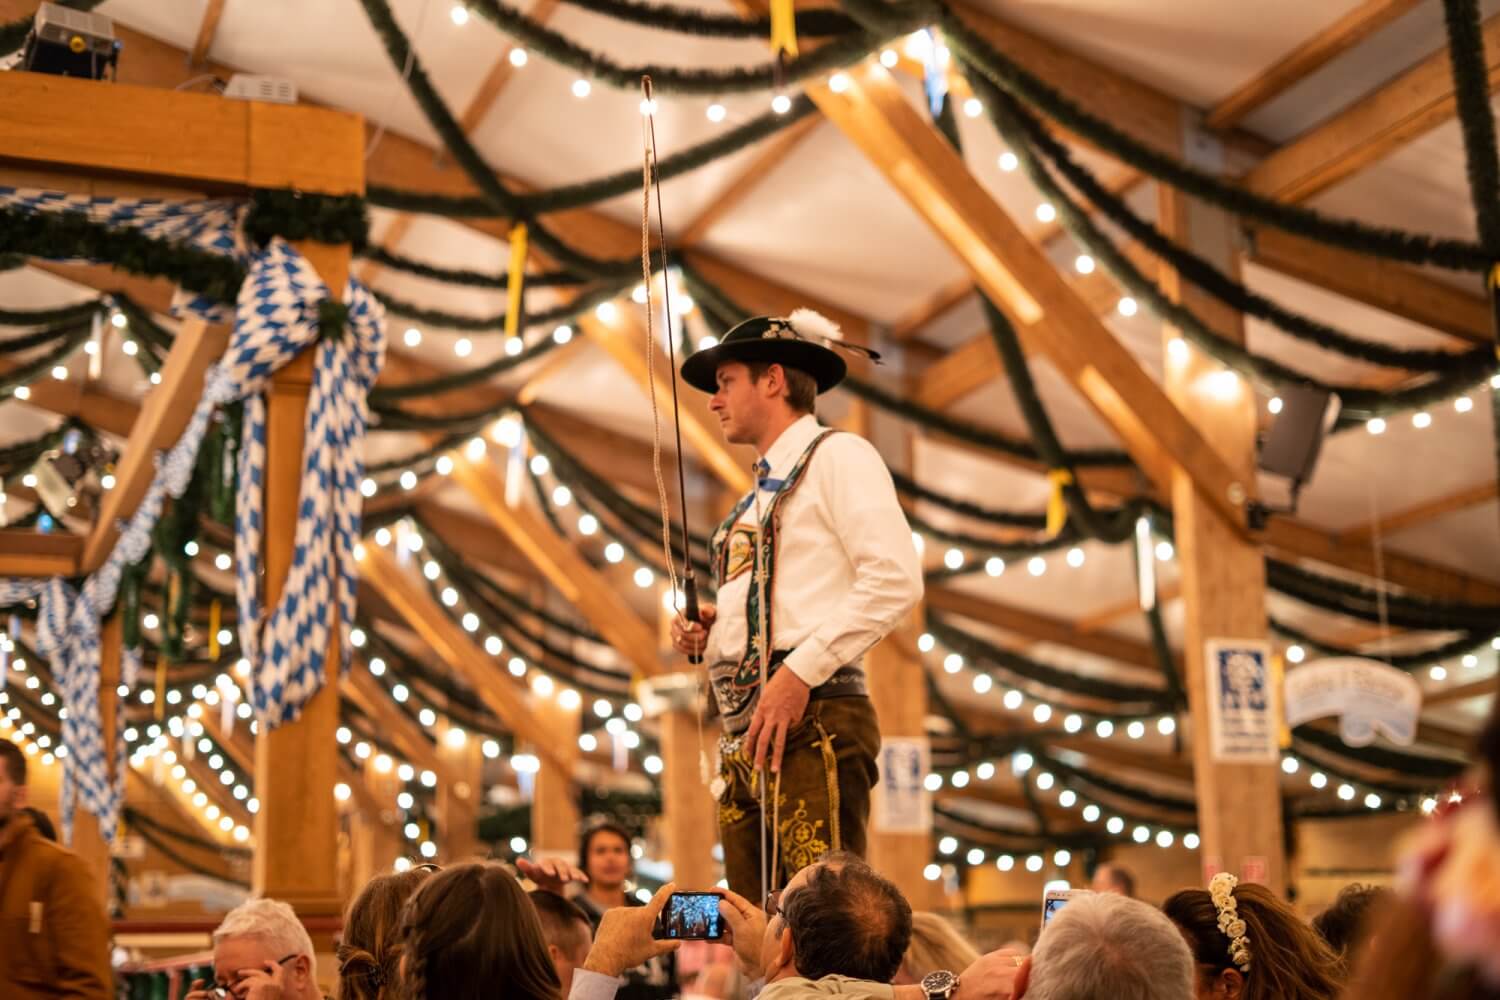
(763, 477)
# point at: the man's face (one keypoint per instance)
(236, 955)
(12, 795)
(608, 859)
(740, 404)
(1104, 881)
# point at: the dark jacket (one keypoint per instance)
(54, 935)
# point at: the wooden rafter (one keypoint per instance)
(426, 618)
(1391, 287)
(207, 28)
(1015, 274)
(754, 173)
(1423, 513)
(31, 553)
(1100, 619)
(1413, 104)
(1462, 692)
(1306, 59)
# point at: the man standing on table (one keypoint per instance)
(835, 571)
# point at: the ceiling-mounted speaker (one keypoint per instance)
(1292, 442)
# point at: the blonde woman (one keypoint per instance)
(935, 944)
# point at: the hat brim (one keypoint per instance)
(825, 365)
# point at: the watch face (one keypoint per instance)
(939, 983)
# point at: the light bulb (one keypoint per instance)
(582, 88)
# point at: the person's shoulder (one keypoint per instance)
(851, 447)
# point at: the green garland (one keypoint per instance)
(907, 486)
(1109, 786)
(63, 235)
(1476, 117)
(1402, 763)
(56, 314)
(1358, 404)
(13, 34)
(23, 454)
(817, 23)
(1315, 757)
(458, 276)
(1152, 701)
(1469, 642)
(1400, 610)
(843, 50)
(25, 374)
(1210, 279)
(977, 55)
(298, 215)
(495, 323)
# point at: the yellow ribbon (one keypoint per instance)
(1278, 682)
(515, 279)
(214, 611)
(161, 686)
(783, 27)
(1057, 504)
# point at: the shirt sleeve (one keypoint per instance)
(589, 985)
(861, 505)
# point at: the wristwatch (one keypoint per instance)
(939, 985)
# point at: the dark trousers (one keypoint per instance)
(822, 797)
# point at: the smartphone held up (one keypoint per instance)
(690, 916)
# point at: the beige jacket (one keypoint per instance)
(54, 935)
(797, 988)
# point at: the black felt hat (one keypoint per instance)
(796, 341)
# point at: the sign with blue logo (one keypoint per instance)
(901, 801)
(1242, 703)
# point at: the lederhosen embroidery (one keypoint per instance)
(733, 548)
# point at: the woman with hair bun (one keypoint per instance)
(369, 951)
(1249, 945)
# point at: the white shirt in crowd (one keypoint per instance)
(846, 569)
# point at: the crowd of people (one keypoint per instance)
(838, 929)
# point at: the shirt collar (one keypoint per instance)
(791, 443)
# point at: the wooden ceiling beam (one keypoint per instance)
(1461, 693)
(1422, 513)
(161, 419)
(1305, 60)
(32, 553)
(622, 340)
(366, 694)
(1412, 104)
(1042, 628)
(1101, 619)
(874, 113)
(426, 618)
(1387, 286)
(208, 27)
(744, 183)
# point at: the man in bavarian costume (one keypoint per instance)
(835, 571)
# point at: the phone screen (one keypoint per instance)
(691, 916)
(1051, 907)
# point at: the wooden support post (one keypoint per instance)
(296, 846)
(88, 838)
(554, 799)
(459, 797)
(690, 821)
(1222, 573)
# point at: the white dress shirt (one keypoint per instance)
(846, 569)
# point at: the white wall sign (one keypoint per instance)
(901, 802)
(1242, 716)
(1368, 696)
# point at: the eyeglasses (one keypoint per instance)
(221, 992)
(772, 904)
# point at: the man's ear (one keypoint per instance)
(1233, 982)
(554, 953)
(787, 956)
(1023, 979)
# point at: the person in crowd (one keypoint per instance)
(1443, 924)
(369, 952)
(54, 935)
(1248, 944)
(261, 952)
(1115, 879)
(1106, 946)
(567, 931)
(935, 944)
(784, 646)
(605, 862)
(839, 928)
(470, 932)
(1345, 924)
